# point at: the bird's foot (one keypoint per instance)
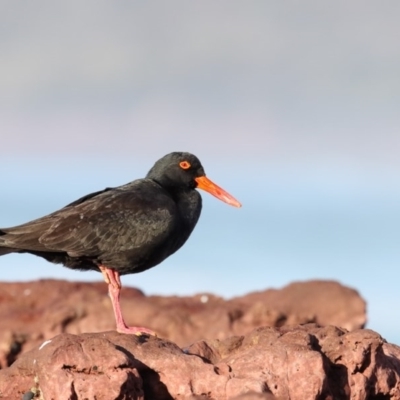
(135, 330)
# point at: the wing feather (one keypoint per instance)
(111, 221)
(121, 221)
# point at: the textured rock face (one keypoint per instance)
(33, 312)
(296, 363)
(69, 366)
(259, 346)
(324, 302)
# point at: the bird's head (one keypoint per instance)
(184, 170)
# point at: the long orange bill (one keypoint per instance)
(210, 187)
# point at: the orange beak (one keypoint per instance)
(210, 187)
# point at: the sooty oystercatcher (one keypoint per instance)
(122, 230)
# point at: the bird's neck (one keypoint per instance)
(189, 204)
(188, 201)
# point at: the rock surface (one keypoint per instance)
(33, 312)
(265, 345)
(296, 363)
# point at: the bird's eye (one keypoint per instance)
(184, 164)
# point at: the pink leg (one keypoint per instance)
(114, 289)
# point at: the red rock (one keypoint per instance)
(312, 301)
(227, 359)
(297, 363)
(311, 362)
(32, 312)
(255, 396)
(69, 367)
(108, 365)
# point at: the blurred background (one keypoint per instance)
(292, 108)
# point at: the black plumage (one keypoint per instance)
(121, 230)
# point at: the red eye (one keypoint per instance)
(184, 164)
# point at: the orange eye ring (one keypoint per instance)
(185, 164)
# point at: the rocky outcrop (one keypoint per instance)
(275, 344)
(296, 363)
(33, 312)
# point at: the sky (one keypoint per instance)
(291, 107)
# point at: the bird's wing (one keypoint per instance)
(26, 236)
(115, 221)
(87, 197)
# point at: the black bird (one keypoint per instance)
(122, 230)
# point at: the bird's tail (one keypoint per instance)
(3, 249)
